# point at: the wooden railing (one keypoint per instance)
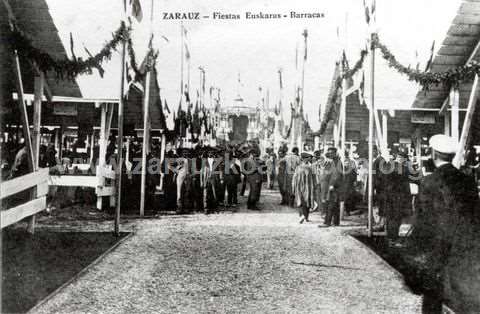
(38, 179)
(98, 182)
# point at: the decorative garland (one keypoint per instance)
(451, 77)
(332, 103)
(65, 69)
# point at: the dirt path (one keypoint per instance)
(248, 262)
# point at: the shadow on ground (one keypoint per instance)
(35, 266)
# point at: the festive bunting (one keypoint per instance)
(451, 77)
(65, 68)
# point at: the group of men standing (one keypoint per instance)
(315, 181)
(204, 179)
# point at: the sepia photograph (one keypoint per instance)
(240, 156)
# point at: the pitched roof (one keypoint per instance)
(34, 19)
(459, 46)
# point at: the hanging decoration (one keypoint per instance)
(65, 68)
(333, 103)
(451, 77)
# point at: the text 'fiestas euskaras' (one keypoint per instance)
(248, 15)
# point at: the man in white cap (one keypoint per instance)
(446, 230)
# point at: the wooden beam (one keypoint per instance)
(455, 117)
(13, 215)
(15, 185)
(385, 127)
(23, 113)
(146, 106)
(37, 116)
(460, 156)
(68, 180)
(447, 101)
(446, 124)
(444, 107)
(108, 126)
(105, 191)
(66, 99)
(102, 142)
(37, 120)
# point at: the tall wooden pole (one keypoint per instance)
(37, 119)
(343, 117)
(146, 130)
(121, 104)
(181, 60)
(370, 137)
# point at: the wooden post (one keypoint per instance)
(370, 138)
(102, 142)
(26, 128)
(343, 130)
(121, 104)
(23, 113)
(343, 118)
(472, 102)
(446, 123)
(335, 134)
(62, 140)
(92, 146)
(385, 128)
(146, 106)
(455, 113)
(162, 159)
(37, 116)
(381, 141)
(418, 146)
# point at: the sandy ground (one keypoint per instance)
(244, 262)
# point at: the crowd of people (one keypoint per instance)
(444, 204)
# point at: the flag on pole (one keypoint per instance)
(361, 90)
(185, 42)
(430, 60)
(370, 11)
(296, 56)
(136, 10)
(305, 34)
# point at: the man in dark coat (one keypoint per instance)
(169, 180)
(446, 231)
(232, 179)
(332, 188)
(379, 185)
(198, 198)
(254, 170)
(348, 184)
(398, 199)
(282, 176)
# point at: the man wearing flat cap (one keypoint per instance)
(446, 231)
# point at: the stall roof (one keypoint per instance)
(460, 45)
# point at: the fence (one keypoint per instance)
(38, 179)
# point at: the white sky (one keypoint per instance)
(258, 48)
